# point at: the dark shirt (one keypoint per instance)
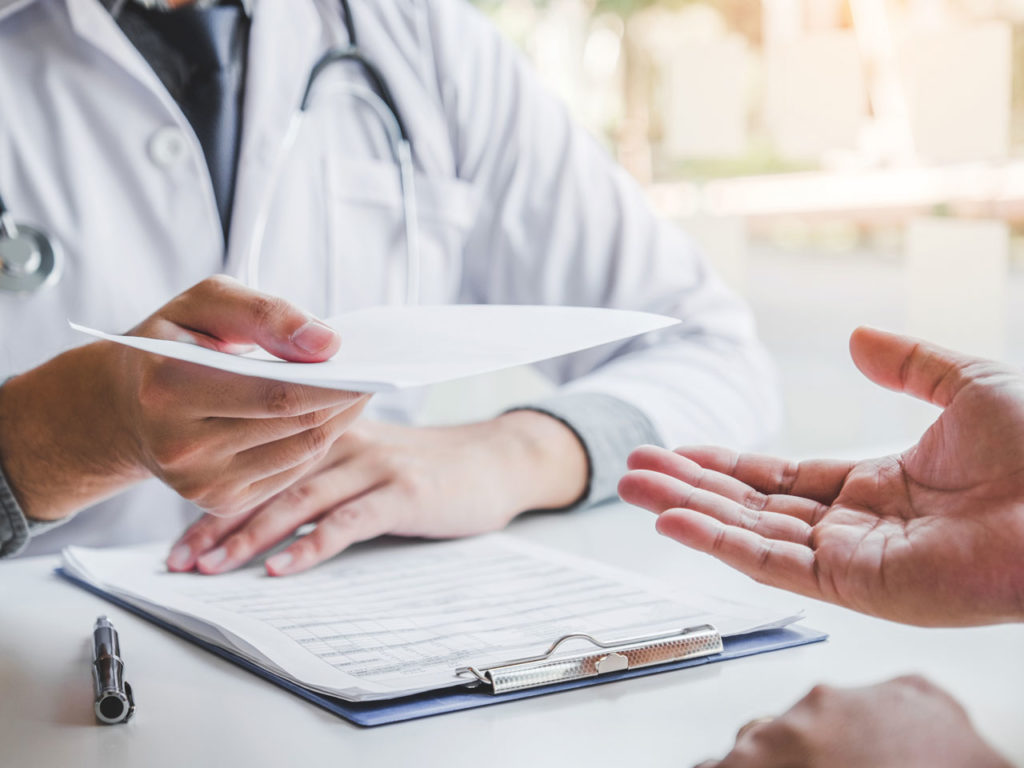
(199, 54)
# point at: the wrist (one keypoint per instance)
(60, 438)
(546, 465)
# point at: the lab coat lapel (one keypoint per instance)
(284, 42)
(93, 23)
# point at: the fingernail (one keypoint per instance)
(279, 562)
(313, 337)
(211, 560)
(179, 558)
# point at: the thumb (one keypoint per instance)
(905, 364)
(225, 310)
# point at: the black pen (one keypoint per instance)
(114, 702)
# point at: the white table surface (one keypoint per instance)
(196, 709)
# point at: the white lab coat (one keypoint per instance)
(516, 206)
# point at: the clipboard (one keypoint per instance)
(700, 645)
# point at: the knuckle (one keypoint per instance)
(221, 500)
(345, 517)
(916, 682)
(744, 755)
(200, 540)
(307, 549)
(312, 419)
(208, 502)
(212, 288)
(787, 476)
(218, 282)
(389, 461)
(265, 310)
(190, 490)
(192, 494)
(342, 519)
(323, 541)
(236, 508)
(317, 441)
(764, 557)
(412, 484)
(819, 694)
(780, 733)
(281, 399)
(755, 500)
(226, 508)
(685, 496)
(174, 452)
(240, 545)
(299, 496)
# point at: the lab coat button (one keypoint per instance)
(168, 147)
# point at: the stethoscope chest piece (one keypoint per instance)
(29, 260)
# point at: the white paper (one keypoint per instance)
(395, 618)
(389, 348)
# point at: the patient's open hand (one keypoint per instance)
(931, 536)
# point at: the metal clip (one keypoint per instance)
(631, 653)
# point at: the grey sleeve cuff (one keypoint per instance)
(15, 528)
(13, 524)
(609, 429)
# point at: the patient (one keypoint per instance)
(933, 536)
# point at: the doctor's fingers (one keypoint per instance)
(171, 389)
(304, 501)
(226, 310)
(783, 564)
(774, 517)
(818, 479)
(213, 461)
(176, 452)
(366, 517)
(231, 435)
(250, 477)
(201, 536)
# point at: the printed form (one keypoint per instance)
(395, 618)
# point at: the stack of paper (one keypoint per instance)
(390, 619)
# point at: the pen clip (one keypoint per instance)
(131, 701)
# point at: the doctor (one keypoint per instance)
(159, 146)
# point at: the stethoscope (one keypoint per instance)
(31, 260)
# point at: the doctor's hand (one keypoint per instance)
(225, 442)
(900, 723)
(228, 442)
(932, 536)
(436, 482)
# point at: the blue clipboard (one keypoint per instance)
(459, 698)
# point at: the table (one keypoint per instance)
(196, 709)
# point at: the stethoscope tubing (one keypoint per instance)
(401, 154)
